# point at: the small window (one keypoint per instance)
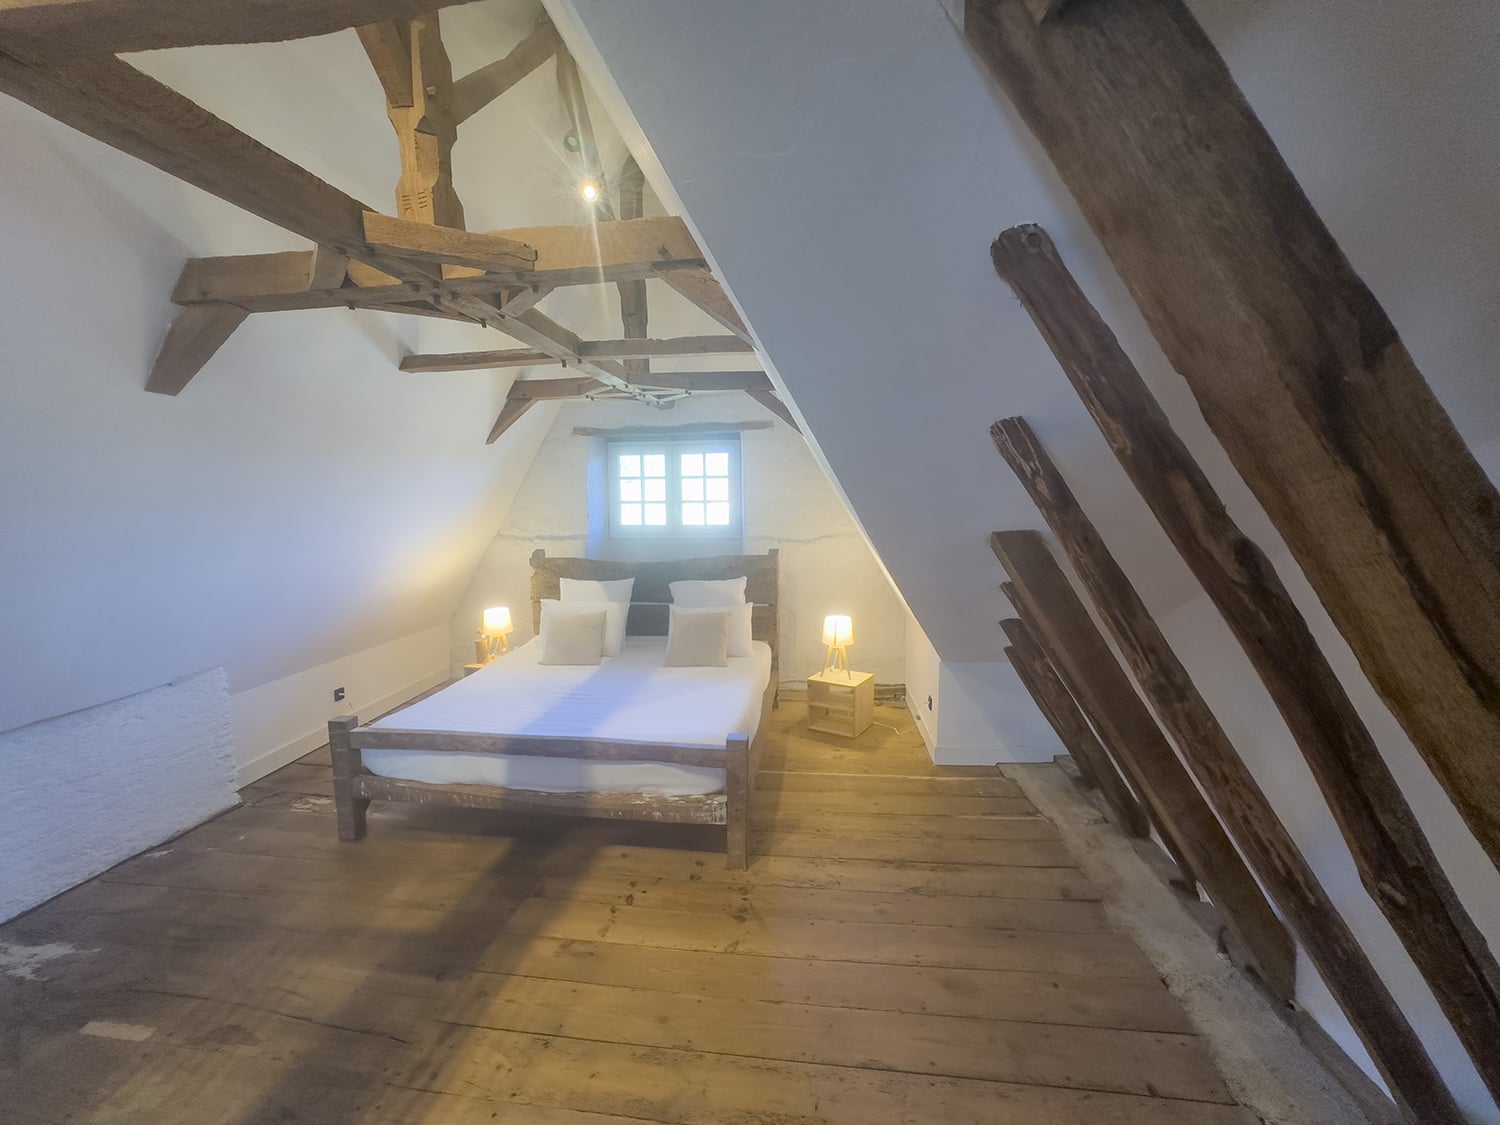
(675, 488)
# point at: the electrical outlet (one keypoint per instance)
(338, 695)
(929, 703)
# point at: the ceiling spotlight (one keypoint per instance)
(589, 191)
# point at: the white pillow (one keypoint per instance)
(697, 638)
(615, 616)
(727, 593)
(587, 590)
(700, 594)
(572, 638)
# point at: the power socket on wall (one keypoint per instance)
(338, 695)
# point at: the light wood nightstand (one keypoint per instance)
(841, 702)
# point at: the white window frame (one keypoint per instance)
(673, 448)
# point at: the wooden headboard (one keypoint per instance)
(651, 596)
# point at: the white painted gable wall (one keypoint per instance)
(847, 166)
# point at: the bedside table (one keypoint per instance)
(841, 702)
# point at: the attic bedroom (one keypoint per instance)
(568, 562)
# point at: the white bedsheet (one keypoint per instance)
(628, 698)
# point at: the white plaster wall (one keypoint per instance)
(278, 722)
(826, 566)
(847, 176)
(80, 792)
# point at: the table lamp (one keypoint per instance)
(838, 635)
(491, 641)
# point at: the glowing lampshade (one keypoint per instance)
(838, 630)
(497, 621)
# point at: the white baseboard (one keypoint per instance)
(286, 754)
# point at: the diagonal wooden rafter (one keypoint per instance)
(590, 349)
(475, 90)
(77, 29)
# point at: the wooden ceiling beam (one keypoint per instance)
(701, 288)
(477, 89)
(428, 243)
(78, 29)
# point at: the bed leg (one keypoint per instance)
(347, 765)
(737, 800)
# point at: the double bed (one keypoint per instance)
(627, 738)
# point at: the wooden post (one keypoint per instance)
(347, 765)
(1326, 936)
(1096, 679)
(1295, 366)
(737, 783)
(1395, 861)
(1059, 708)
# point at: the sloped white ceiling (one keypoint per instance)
(847, 167)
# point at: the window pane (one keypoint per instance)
(656, 515)
(656, 489)
(692, 488)
(630, 515)
(630, 489)
(692, 515)
(718, 488)
(655, 464)
(718, 515)
(630, 465)
(692, 464)
(717, 464)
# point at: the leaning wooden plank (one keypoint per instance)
(1166, 1066)
(701, 288)
(1296, 368)
(1060, 709)
(1396, 863)
(71, 29)
(1076, 649)
(196, 334)
(428, 243)
(478, 88)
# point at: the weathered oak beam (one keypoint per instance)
(1295, 366)
(477, 89)
(388, 45)
(1061, 711)
(1396, 863)
(772, 402)
(1097, 681)
(492, 253)
(192, 340)
(1341, 961)
(701, 288)
(512, 412)
(71, 29)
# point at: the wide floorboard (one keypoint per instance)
(911, 945)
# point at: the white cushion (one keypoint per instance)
(615, 616)
(572, 638)
(587, 590)
(726, 593)
(697, 638)
(699, 594)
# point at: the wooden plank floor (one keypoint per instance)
(910, 945)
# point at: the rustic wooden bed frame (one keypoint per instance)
(354, 787)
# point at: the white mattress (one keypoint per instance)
(628, 698)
